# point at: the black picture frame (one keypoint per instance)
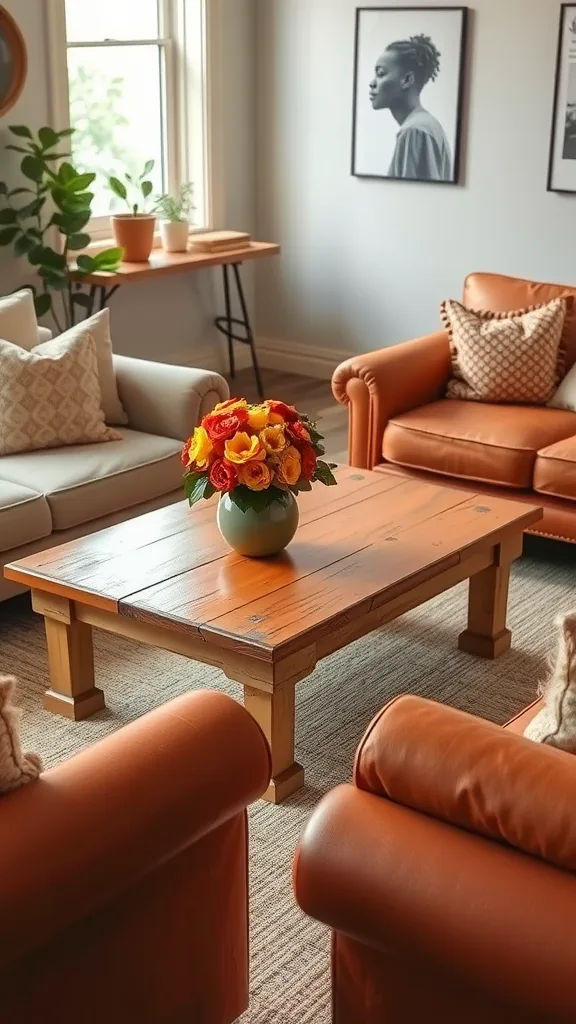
(564, 9)
(462, 57)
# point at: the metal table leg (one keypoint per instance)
(227, 323)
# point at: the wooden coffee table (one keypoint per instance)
(366, 552)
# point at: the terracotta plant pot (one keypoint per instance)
(174, 235)
(135, 234)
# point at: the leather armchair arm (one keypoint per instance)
(166, 400)
(114, 813)
(439, 897)
(472, 774)
(379, 385)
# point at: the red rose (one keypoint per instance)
(184, 455)
(288, 412)
(298, 434)
(221, 427)
(223, 476)
(309, 462)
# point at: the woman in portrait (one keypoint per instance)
(422, 150)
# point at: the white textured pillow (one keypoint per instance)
(99, 327)
(18, 322)
(565, 397)
(556, 722)
(16, 768)
(50, 397)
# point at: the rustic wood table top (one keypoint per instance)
(366, 551)
(163, 264)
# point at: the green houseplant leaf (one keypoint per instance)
(20, 130)
(118, 188)
(32, 168)
(48, 138)
(42, 304)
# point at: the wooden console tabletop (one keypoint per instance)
(163, 264)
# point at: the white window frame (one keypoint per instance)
(191, 145)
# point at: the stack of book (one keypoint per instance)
(220, 241)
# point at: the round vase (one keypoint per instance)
(174, 235)
(258, 534)
(134, 234)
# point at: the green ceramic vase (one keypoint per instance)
(258, 534)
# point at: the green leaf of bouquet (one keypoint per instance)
(238, 498)
(194, 487)
(325, 475)
(209, 490)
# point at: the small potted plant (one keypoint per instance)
(134, 231)
(175, 213)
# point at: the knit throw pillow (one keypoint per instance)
(16, 768)
(50, 397)
(506, 357)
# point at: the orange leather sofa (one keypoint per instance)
(447, 873)
(123, 892)
(400, 421)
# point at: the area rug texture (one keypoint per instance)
(290, 981)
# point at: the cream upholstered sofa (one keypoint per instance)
(51, 496)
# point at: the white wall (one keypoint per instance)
(366, 263)
(171, 320)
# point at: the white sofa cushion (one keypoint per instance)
(24, 515)
(88, 481)
(18, 322)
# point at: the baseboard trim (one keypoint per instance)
(273, 354)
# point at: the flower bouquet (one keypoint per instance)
(259, 458)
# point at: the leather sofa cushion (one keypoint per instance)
(494, 444)
(555, 470)
(84, 482)
(503, 294)
(24, 515)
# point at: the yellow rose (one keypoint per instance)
(290, 468)
(257, 417)
(244, 448)
(273, 439)
(255, 475)
(230, 405)
(200, 448)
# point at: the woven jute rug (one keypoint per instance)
(417, 654)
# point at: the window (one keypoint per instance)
(135, 91)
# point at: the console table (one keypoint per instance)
(102, 286)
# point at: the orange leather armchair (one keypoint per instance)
(123, 893)
(400, 421)
(447, 873)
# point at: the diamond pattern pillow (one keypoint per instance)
(506, 357)
(50, 397)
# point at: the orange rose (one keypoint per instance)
(255, 475)
(290, 469)
(273, 439)
(223, 476)
(309, 462)
(230, 405)
(220, 427)
(280, 412)
(244, 448)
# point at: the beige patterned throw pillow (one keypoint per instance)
(506, 357)
(50, 397)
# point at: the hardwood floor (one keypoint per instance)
(312, 396)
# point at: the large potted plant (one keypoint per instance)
(134, 231)
(175, 214)
(45, 220)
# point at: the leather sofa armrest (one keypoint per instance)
(379, 385)
(471, 773)
(166, 400)
(482, 914)
(94, 825)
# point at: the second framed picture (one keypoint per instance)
(408, 93)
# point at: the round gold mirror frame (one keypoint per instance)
(12, 37)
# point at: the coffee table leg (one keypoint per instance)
(72, 693)
(487, 634)
(275, 714)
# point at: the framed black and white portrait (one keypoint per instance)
(562, 167)
(408, 89)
